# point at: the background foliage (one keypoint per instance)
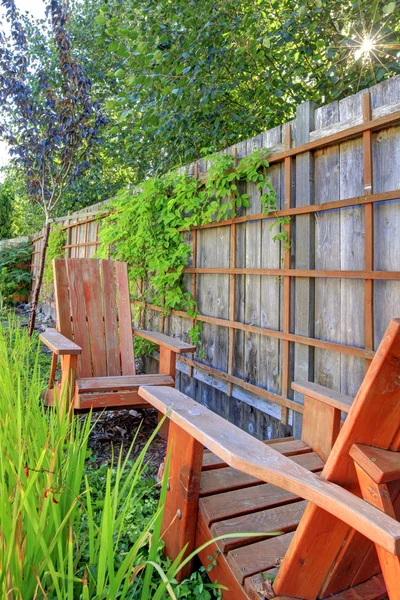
(185, 76)
(15, 275)
(183, 79)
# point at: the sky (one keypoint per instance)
(36, 7)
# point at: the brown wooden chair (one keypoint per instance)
(339, 529)
(94, 338)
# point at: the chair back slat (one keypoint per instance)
(93, 310)
(61, 295)
(125, 320)
(110, 318)
(73, 270)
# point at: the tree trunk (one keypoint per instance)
(39, 279)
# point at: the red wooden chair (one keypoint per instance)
(339, 529)
(94, 338)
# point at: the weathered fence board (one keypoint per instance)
(262, 329)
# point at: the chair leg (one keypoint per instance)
(181, 505)
(167, 367)
(68, 375)
(378, 495)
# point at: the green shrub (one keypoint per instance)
(15, 276)
(69, 531)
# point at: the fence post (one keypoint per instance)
(304, 255)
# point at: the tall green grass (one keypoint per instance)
(59, 538)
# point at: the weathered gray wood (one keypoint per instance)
(327, 255)
(271, 301)
(386, 154)
(334, 310)
(304, 252)
(352, 251)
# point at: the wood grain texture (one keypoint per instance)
(78, 314)
(125, 320)
(278, 519)
(248, 455)
(180, 509)
(325, 395)
(90, 270)
(58, 343)
(321, 426)
(373, 419)
(110, 317)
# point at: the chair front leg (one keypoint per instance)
(68, 376)
(53, 369)
(167, 367)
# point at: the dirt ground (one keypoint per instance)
(115, 429)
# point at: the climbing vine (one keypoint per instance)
(55, 249)
(147, 226)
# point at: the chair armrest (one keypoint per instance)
(165, 340)
(243, 452)
(58, 343)
(324, 394)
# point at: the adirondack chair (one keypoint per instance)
(94, 338)
(339, 529)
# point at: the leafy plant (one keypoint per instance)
(15, 275)
(67, 530)
(147, 226)
(55, 249)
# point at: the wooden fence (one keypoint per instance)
(315, 312)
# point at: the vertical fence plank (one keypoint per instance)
(327, 254)
(304, 252)
(351, 251)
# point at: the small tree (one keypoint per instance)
(48, 115)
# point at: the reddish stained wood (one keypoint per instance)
(167, 362)
(382, 466)
(68, 373)
(180, 510)
(321, 426)
(338, 274)
(90, 269)
(227, 478)
(221, 572)
(166, 341)
(286, 446)
(243, 501)
(378, 495)
(53, 369)
(110, 318)
(259, 556)
(279, 519)
(325, 395)
(308, 209)
(373, 419)
(125, 320)
(61, 295)
(391, 572)
(111, 400)
(124, 382)
(78, 312)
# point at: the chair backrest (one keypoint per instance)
(340, 557)
(93, 310)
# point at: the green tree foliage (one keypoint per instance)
(6, 207)
(187, 76)
(15, 275)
